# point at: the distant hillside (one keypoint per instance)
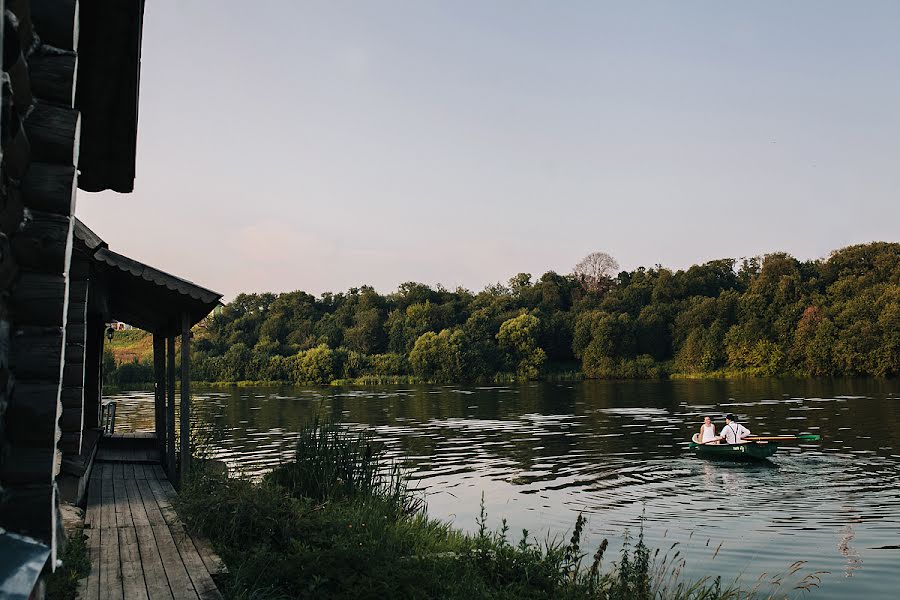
(766, 316)
(130, 345)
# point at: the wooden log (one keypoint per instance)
(71, 419)
(56, 22)
(32, 412)
(53, 74)
(75, 331)
(20, 82)
(44, 242)
(37, 353)
(70, 444)
(13, 211)
(9, 270)
(28, 466)
(170, 409)
(17, 152)
(12, 45)
(53, 132)
(50, 188)
(159, 395)
(38, 299)
(30, 510)
(185, 396)
(71, 397)
(24, 28)
(73, 371)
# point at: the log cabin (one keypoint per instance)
(69, 102)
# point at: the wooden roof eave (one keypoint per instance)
(144, 296)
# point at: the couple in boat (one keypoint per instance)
(732, 433)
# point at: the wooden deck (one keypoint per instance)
(137, 545)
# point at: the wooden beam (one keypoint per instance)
(185, 396)
(93, 363)
(170, 409)
(159, 396)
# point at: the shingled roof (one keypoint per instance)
(142, 295)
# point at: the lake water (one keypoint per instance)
(542, 453)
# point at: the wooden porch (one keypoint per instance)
(137, 545)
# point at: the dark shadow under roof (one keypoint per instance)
(141, 295)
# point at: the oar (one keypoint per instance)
(804, 437)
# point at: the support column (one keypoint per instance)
(159, 396)
(170, 410)
(185, 396)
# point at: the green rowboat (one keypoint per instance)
(754, 448)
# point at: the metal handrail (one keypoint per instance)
(108, 417)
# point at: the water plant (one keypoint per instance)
(340, 521)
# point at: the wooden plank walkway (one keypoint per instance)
(138, 547)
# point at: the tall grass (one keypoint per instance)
(332, 464)
(339, 521)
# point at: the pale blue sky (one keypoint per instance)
(322, 145)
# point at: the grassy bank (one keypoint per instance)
(340, 522)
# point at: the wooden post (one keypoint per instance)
(170, 410)
(185, 396)
(159, 396)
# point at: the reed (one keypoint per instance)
(340, 521)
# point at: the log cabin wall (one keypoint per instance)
(40, 141)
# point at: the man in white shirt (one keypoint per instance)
(733, 432)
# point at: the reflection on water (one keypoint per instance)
(542, 453)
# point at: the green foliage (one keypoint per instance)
(340, 522)
(765, 316)
(518, 338)
(63, 583)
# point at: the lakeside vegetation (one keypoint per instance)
(766, 316)
(339, 521)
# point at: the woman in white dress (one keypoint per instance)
(707, 432)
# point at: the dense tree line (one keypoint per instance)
(769, 316)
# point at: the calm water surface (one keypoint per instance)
(542, 453)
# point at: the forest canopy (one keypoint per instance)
(767, 316)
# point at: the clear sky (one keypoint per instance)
(286, 144)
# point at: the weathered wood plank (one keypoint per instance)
(92, 581)
(179, 580)
(154, 571)
(133, 584)
(196, 568)
(94, 507)
(110, 566)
